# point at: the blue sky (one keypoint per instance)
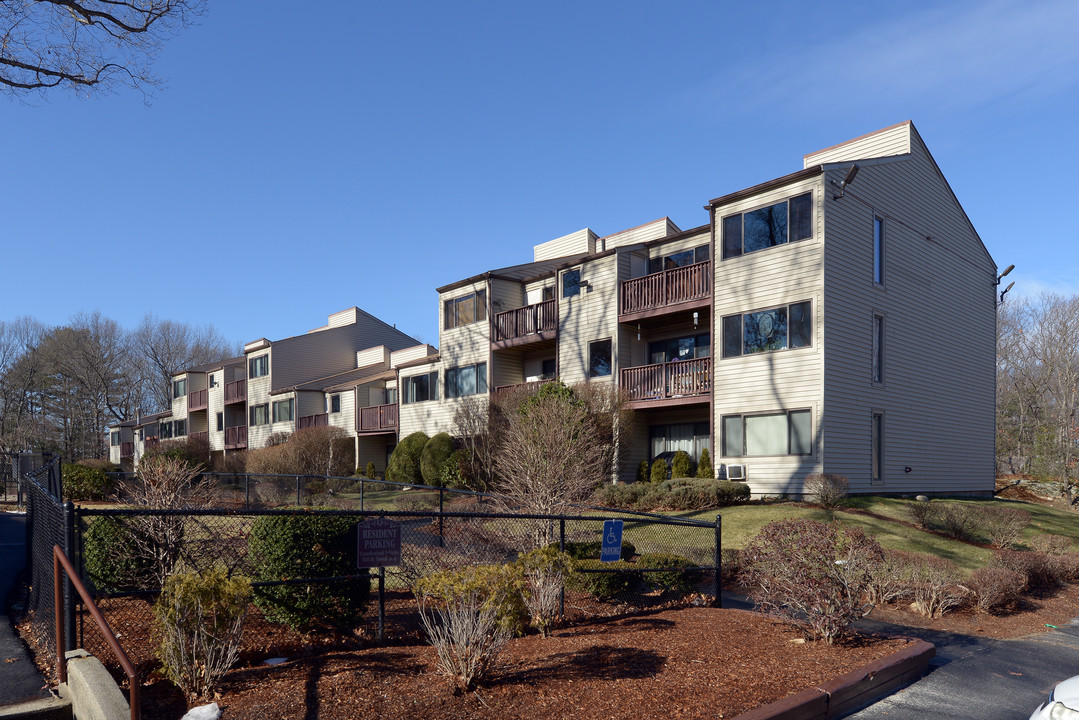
(366, 153)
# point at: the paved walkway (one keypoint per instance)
(19, 677)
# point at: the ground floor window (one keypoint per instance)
(179, 428)
(283, 410)
(260, 414)
(467, 380)
(783, 433)
(690, 437)
(877, 433)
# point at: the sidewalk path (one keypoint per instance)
(19, 677)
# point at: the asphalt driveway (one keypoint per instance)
(19, 678)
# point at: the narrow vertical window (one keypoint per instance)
(878, 348)
(571, 283)
(599, 358)
(878, 447)
(220, 421)
(878, 250)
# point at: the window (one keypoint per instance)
(878, 250)
(599, 358)
(678, 259)
(547, 371)
(682, 348)
(419, 388)
(779, 328)
(165, 430)
(466, 310)
(785, 433)
(179, 388)
(114, 438)
(548, 293)
(260, 414)
(258, 366)
(283, 410)
(391, 396)
(335, 403)
(571, 283)
(878, 348)
(213, 380)
(877, 452)
(179, 428)
(220, 421)
(778, 224)
(690, 437)
(468, 380)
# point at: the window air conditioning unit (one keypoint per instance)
(736, 472)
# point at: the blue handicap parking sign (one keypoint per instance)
(611, 550)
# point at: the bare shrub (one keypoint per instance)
(921, 513)
(810, 574)
(996, 589)
(1051, 544)
(1004, 526)
(958, 520)
(935, 586)
(1036, 567)
(545, 573)
(890, 577)
(1066, 566)
(828, 489)
(466, 635)
(311, 451)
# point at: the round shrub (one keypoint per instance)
(604, 580)
(681, 464)
(109, 558)
(433, 457)
(659, 471)
(591, 549)
(704, 466)
(498, 587)
(404, 464)
(285, 547)
(370, 469)
(674, 574)
(84, 483)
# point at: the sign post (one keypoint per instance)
(611, 549)
(378, 544)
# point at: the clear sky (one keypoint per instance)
(307, 158)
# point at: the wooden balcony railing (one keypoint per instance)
(377, 418)
(682, 378)
(197, 400)
(127, 449)
(236, 391)
(311, 421)
(665, 288)
(236, 437)
(541, 317)
(150, 441)
(529, 385)
(204, 435)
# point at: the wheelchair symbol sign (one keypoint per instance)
(611, 549)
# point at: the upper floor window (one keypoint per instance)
(678, 259)
(599, 358)
(179, 388)
(419, 388)
(335, 403)
(878, 250)
(284, 410)
(468, 380)
(213, 380)
(220, 421)
(260, 414)
(778, 224)
(789, 326)
(258, 366)
(571, 283)
(115, 438)
(466, 310)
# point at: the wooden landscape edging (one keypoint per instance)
(854, 690)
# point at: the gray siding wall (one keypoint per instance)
(938, 304)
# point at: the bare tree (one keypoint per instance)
(21, 375)
(165, 347)
(86, 45)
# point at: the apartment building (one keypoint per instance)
(803, 329)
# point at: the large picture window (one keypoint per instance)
(419, 388)
(690, 437)
(778, 224)
(468, 380)
(781, 328)
(785, 433)
(258, 366)
(283, 410)
(260, 414)
(465, 310)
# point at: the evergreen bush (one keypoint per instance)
(82, 482)
(107, 558)
(404, 464)
(674, 575)
(680, 465)
(608, 581)
(659, 471)
(704, 465)
(643, 472)
(433, 458)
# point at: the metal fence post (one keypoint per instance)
(363, 484)
(69, 596)
(298, 490)
(562, 549)
(441, 515)
(719, 561)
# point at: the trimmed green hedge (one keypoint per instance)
(108, 557)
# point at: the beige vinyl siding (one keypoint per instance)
(938, 301)
(686, 243)
(767, 382)
(505, 295)
(346, 418)
(373, 448)
(534, 290)
(399, 357)
(508, 368)
(592, 315)
(459, 347)
(894, 140)
(430, 416)
(215, 403)
(582, 241)
(309, 403)
(258, 393)
(642, 233)
(378, 355)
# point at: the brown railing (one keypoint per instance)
(127, 449)
(204, 435)
(311, 421)
(150, 442)
(530, 385)
(528, 320)
(197, 400)
(236, 391)
(666, 287)
(682, 378)
(60, 561)
(379, 417)
(236, 437)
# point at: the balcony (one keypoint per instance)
(236, 437)
(675, 383)
(681, 288)
(127, 449)
(528, 324)
(203, 436)
(530, 386)
(150, 441)
(236, 392)
(377, 419)
(197, 400)
(312, 421)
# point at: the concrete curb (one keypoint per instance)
(92, 692)
(852, 691)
